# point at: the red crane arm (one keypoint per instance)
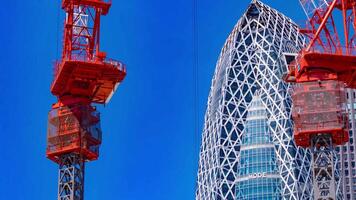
(322, 25)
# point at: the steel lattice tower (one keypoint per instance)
(323, 167)
(252, 59)
(83, 76)
(71, 177)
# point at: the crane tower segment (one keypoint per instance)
(83, 76)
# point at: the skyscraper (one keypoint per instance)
(251, 60)
(347, 153)
(257, 172)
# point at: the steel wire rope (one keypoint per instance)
(196, 82)
(57, 28)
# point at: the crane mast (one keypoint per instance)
(320, 73)
(82, 77)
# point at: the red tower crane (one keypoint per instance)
(83, 76)
(321, 71)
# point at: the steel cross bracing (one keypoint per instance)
(71, 177)
(323, 167)
(309, 6)
(327, 31)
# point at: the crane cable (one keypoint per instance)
(195, 74)
(196, 88)
(57, 31)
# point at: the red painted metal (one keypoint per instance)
(329, 57)
(313, 66)
(73, 128)
(83, 76)
(319, 107)
(84, 70)
(94, 80)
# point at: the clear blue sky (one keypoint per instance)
(150, 143)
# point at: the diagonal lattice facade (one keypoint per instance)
(251, 60)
